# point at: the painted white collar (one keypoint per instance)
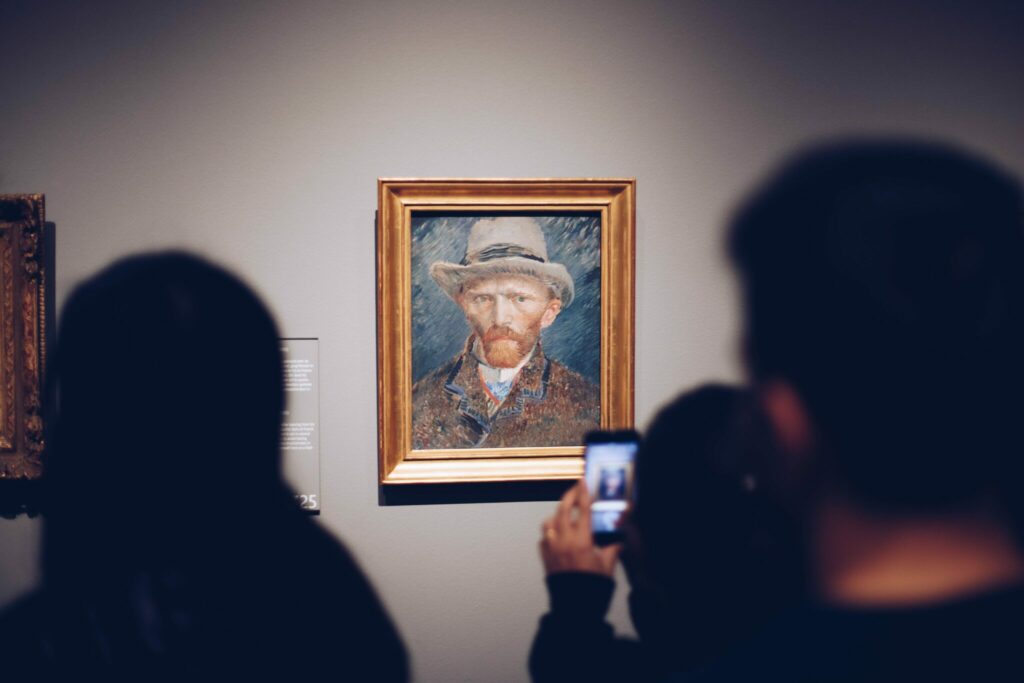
(494, 375)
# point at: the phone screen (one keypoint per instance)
(610, 459)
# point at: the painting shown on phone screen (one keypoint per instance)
(506, 329)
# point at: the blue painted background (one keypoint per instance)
(439, 328)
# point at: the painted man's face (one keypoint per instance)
(507, 313)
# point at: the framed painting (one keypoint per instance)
(505, 312)
(24, 310)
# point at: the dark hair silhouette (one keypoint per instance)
(169, 396)
(883, 280)
(719, 557)
(172, 547)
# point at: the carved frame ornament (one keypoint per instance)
(401, 201)
(23, 320)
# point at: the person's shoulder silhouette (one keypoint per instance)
(172, 547)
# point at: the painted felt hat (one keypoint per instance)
(512, 245)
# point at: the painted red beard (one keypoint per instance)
(506, 348)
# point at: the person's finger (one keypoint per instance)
(609, 555)
(582, 483)
(584, 503)
(563, 516)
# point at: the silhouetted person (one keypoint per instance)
(172, 548)
(710, 557)
(883, 285)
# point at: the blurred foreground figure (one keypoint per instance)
(883, 286)
(172, 548)
(710, 557)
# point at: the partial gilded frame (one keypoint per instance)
(23, 319)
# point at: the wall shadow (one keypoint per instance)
(486, 492)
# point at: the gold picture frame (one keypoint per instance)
(24, 310)
(405, 202)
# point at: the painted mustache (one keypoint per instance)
(502, 334)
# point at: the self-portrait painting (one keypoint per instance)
(505, 325)
(506, 330)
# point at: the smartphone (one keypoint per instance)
(610, 460)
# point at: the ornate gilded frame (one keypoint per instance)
(24, 299)
(398, 199)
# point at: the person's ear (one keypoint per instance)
(787, 414)
(550, 313)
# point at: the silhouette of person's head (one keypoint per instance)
(169, 397)
(172, 545)
(716, 558)
(883, 284)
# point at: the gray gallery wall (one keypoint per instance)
(254, 133)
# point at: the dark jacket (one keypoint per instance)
(277, 599)
(576, 643)
(973, 638)
(549, 405)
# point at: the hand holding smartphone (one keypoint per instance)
(610, 463)
(572, 542)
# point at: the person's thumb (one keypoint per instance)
(609, 555)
